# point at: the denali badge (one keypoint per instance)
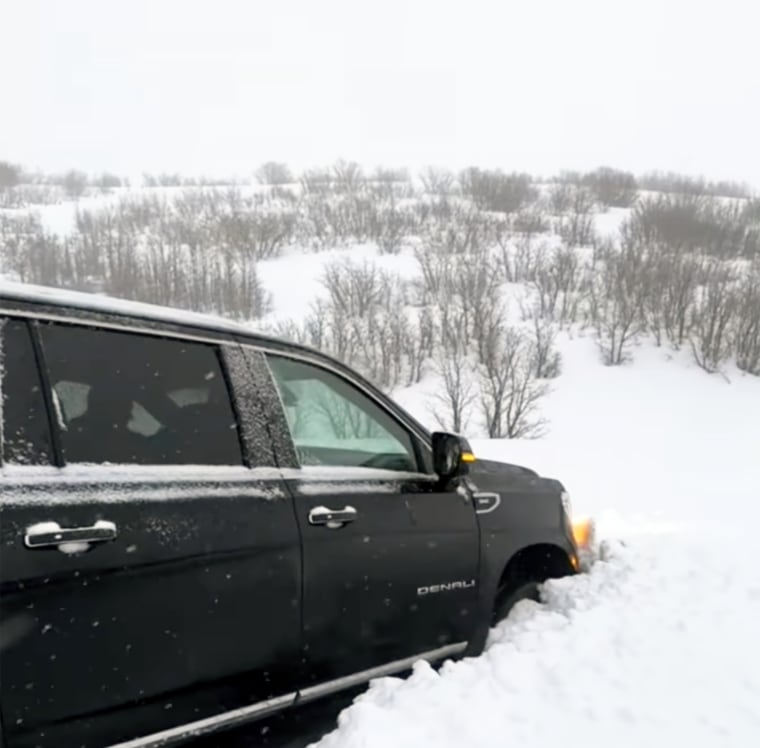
(444, 587)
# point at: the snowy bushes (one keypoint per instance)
(274, 173)
(10, 174)
(697, 224)
(611, 187)
(363, 322)
(576, 206)
(682, 184)
(145, 250)
(679, 270)
(746, 330)
(498, 192)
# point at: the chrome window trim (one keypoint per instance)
(261, 709)
(121, 327)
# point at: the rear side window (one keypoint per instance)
(136, 399)
(26, 434)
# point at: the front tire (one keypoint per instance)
(511, 593)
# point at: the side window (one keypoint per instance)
(26, 436)
(136, 399)
(333, 423)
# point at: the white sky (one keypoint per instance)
(219, 86)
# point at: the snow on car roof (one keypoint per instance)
(110, 305)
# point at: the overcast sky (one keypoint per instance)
(219, 86)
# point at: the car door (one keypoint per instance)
(150, 569)
(390, 557)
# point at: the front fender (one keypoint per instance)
(528, 512)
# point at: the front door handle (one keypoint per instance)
(68, 539)
(332, 518)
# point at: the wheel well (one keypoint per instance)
(536, 562)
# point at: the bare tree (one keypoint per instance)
(509, 394)
(615, 299)
(746, 334)
(713, 313)
(457, 392)
(576, 225)
(612, 187)
(496, 191)
(439, 182)
(348, 175)
(546, 361)
(274, 173)
(74, 183)
(10, 175)
(356, 289)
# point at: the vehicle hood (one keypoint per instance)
(483, 468)
(489, 475)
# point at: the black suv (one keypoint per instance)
(200, 526)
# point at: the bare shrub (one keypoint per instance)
(509, 393)
(557, 280)
(530, 221)
(560, 199)
(496, 191)
(615, 300)
(107, 181)
(452, 364)
(385, 176)
(10, 175)
(274, 173)
(163, 180)
(355, 289)
(462, 231)
(439, 182)
(576, 225)
(347, 175)
(612, 187)
(520, 260)
(316, 181)
(712, 315)
(682, 184)
(668, 297)
(693, 223)
(546, 362)
(746, 332)
(74, 183)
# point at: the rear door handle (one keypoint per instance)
(51, 534)
(332, 518)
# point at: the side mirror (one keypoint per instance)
(452, 455)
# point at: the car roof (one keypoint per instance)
(102, 304)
